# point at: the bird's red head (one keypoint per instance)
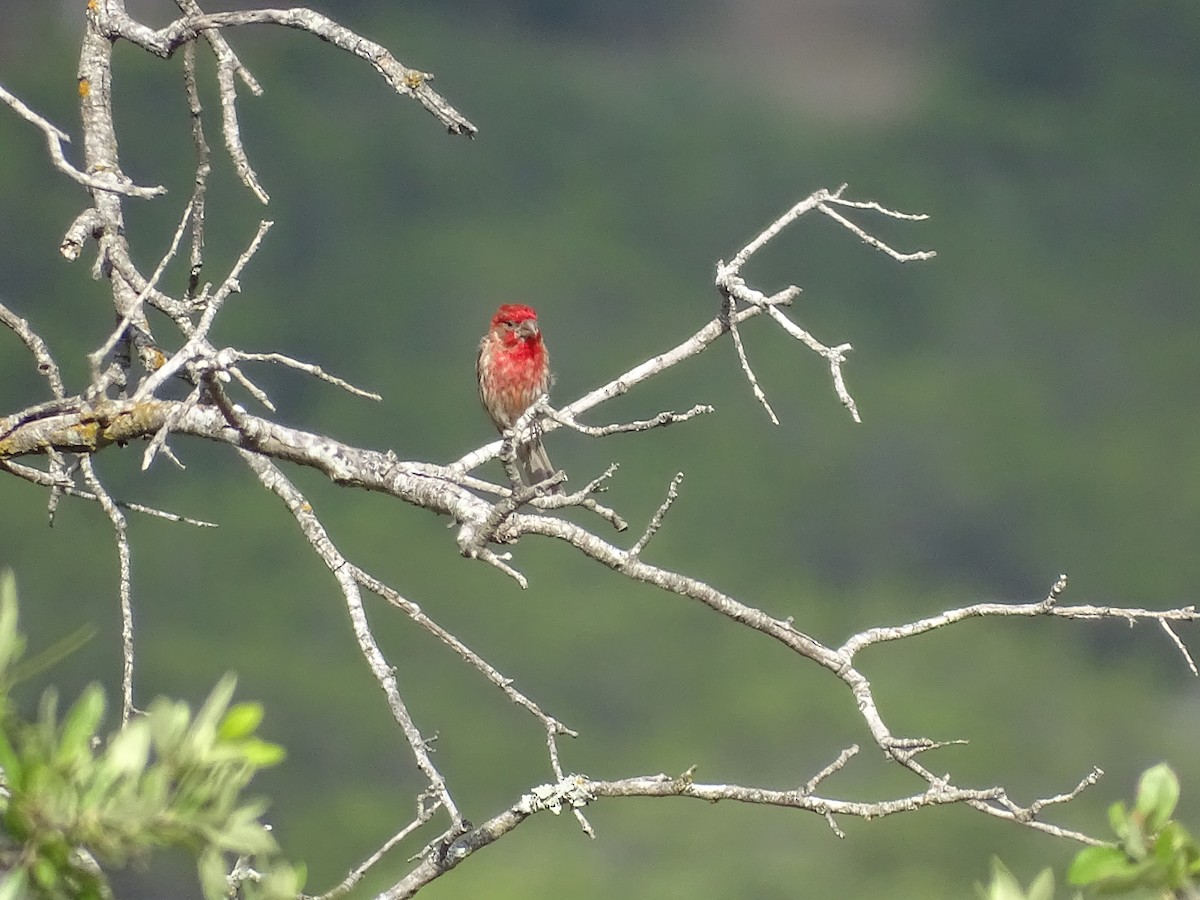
(513, 314)
(515, 321)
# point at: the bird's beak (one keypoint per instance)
(527, 329)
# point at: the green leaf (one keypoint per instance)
(10, 763)
(155, 787)
(1094, 864)
(1042, 887)
(57, 651)
(45, 874)
(13, 886)
(1004, 885)
(301, 870)
(1173, 840)
(129, 749)
(119, 806)
(214, 877)
(1157, 795)
(48, 715)
(246, 838)
(1176, 852)
(168, 724)
(262, 754)
(1134, 844)
(11, 643)
(80, 724)
(283, 882)
(1118, 819)
(241, 721)
(204, 727)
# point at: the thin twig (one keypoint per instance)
(198, 340)
(1179, 645)
(661, 420)
(403, 80)
(275, 481)
(835, 356)
(871, 239)
(203, 164)
(117, 519)
(736, 334)
(221, 48)
(656, 520)
(414, 612)
(41, 353)
(733, 286)
(233, 134)
(582, 498)
(356, 874)
(65, 486)
(500, 561)
(159, 441)
(1093, 777)
(837, 765)
(556, 766)
(56, 137)
(314, 370)
(135, 310)
(1047, 607)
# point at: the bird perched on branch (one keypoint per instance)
(514, 370)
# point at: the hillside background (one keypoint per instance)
(1029, 400)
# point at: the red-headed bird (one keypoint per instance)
(514, 370)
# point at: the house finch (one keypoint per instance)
(514, 370)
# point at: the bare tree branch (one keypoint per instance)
(122, 537)
(577, 791)
(1047, 607)
(662, 419)
(41, 353)
(114, 22)
(656, 520)
(56, 137)
(66, 486)
(229, 357)
(96, 358)
(355, 876)
(275, 481)
(119, 405)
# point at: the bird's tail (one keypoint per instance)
(535, 463)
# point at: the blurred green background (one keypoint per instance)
(1029, 402)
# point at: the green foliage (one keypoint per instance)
(1154, 857)
(1004, 885)
(1153, 852)
(76, 805)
